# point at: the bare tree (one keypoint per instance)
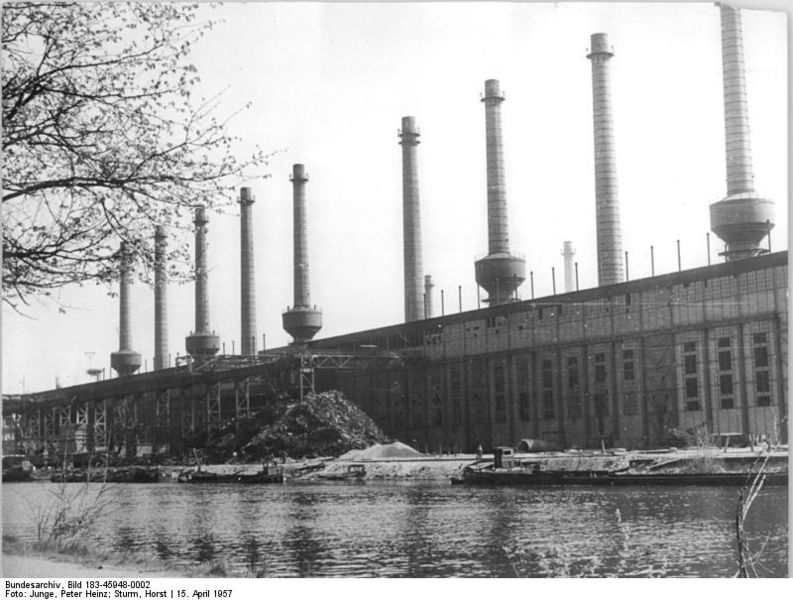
(102, 139)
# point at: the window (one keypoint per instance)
(547, 374)
(628, 373)
(601, 404)
(547, 405)
(760, 338)
(689, 347)
(600, 357)
(764, 401)
(630, 404)
(727, 402)
(574, 407)
(725, 385)
(725, 360)
(692, 387)
(523, 406)
(692, 405)
(600, 373)
(724, 342)
(690, 364)
(763, 383)
(572, 378)
(627, 355)
(522, 368)
(498, 378)
(761, 356)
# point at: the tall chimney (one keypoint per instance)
(201, 343)
(301, 321)
(742, 219)
(569, 274)
(607, 209)
(428, 307)
(247, 275)
(160, 300)
(125, 361)
(499, 273)
(411, 218)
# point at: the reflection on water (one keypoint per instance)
(431, 529)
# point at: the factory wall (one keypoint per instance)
(629, 365)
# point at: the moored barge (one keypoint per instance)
(507, 470)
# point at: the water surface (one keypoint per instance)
(378, 529)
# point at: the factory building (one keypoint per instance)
(630, 364)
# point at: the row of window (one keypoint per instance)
(725, 372)
(725, 287)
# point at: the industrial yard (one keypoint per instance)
(583, 413)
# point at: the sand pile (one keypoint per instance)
(382, 451)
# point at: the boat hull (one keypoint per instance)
(615, 479)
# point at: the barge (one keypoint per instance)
(506, 469)
(268, 474)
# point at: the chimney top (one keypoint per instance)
(493, 89)
(247, 195)
(600, 45)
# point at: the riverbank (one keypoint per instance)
(76, 560)
(15, 565)
(420, 467)
(442, 468)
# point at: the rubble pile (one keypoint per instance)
(323, 424)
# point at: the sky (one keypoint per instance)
(328, 85)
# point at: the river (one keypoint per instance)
(432, 529)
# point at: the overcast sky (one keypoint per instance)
(329, 84)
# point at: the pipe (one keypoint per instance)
(568, 253)
(125, 361)
(160, 299)
(202, 342)
(247, 274)
(429, 308)
(302, 296)
(609, 236)
(740, 176)
(201, 275)
(497, 229)
(411, 218)
(301, 321)
(741, 218)
(124, 297)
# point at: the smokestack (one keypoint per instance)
(202, 343)
(569, 274)
(125, 361)
(428, 285)
(247, 275)
(160, 300)
(742, 219)
(411, 218)
(499, 273)
(301, 321)
(607, 211)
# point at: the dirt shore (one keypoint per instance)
(40, 566)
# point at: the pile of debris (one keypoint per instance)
(323, 424)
